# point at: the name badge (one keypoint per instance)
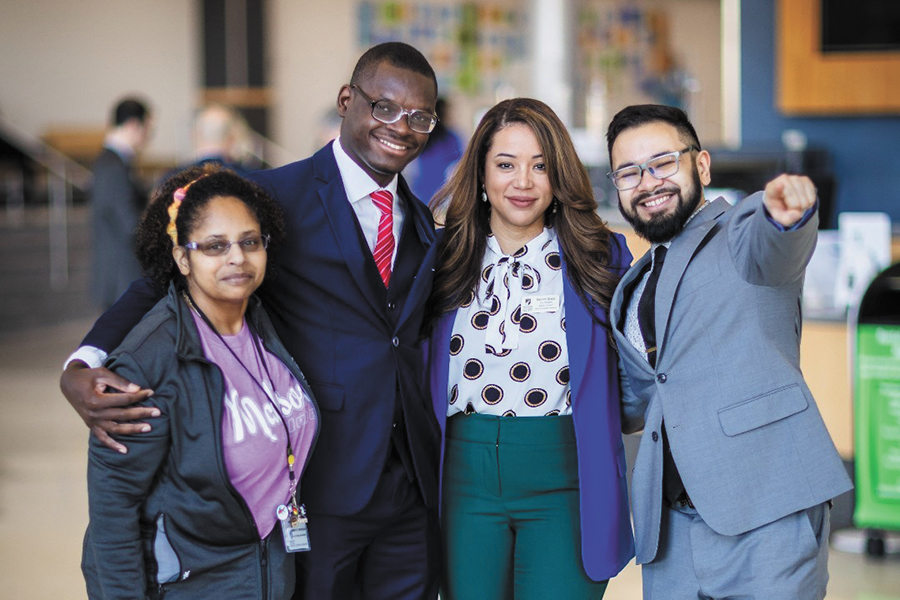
(294, 527)
(548, 303)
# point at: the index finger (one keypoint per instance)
(107, 378)
(105, 399)
(776, 187)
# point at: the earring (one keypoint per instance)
(483, 194)
(555, 205)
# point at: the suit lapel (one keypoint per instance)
(344, 223)
(619, 308)
(680, 253)
(424, 231)
(579, 334)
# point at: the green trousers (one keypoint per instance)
(510, 511)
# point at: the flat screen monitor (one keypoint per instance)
(860, 26)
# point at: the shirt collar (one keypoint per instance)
(357, 183)
(529, 253)
(124, 151)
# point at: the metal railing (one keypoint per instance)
(63, 175)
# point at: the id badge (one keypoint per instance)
(547, 303)
(294, 528)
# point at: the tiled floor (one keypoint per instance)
(43, 504)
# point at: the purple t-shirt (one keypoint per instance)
(253, 434)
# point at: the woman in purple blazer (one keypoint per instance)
(523, 376)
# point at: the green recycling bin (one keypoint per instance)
(877, 404)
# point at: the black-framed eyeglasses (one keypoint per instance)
(253, 243)
(387, 111)
(662, 166)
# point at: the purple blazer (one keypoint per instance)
(607, 543)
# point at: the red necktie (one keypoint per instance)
(384, 244)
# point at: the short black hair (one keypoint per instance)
(129, 108)
(153, 245)
(398, 54)
(641, 114)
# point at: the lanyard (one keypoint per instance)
(261, 356)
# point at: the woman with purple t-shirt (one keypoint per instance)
(205, 504)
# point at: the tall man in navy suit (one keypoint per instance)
(348, 305)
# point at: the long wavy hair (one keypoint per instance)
(583, 236)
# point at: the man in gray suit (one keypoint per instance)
(735, 471)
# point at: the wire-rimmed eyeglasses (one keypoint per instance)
(662, 166)
(388, 111)
(253, 243)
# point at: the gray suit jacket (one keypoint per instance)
(745, 432)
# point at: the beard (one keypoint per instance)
(660, 228)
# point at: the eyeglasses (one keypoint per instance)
(253, 243)
(386, 111)
(660, 167)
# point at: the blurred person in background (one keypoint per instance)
(433, 167)
(117, 199)
(218, 136)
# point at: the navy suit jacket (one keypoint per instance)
(607, 543)
(356, 342)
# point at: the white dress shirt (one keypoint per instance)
(359, 185)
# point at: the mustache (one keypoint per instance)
(670, 189)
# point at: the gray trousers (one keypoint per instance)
(784, 560)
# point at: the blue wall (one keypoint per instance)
(865, 151)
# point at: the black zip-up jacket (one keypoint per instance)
(167, 509)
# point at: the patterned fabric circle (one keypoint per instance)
(549, 351)
(495, 305)
(553, 413)
(473, 369)
(562, 323)
(486, 273)
(454, 394)
(480, 320)
(492, 394)
(516, 316)
(535, 397)
(469, 302)
(553, 261)
(520, 372)
(528, 324)
(457, 343)
(527, 281)
(562, 376)
(509, 413)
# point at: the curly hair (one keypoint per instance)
(153, 245)
(583, 236)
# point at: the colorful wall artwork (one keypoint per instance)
(469, 44)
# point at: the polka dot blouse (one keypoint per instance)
(508, 354)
